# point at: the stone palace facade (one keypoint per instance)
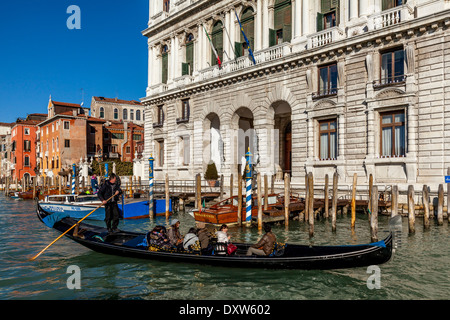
(346, 86)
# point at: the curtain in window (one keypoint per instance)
(333, 143)
(400, 141)
(386, 142)
(324, 146)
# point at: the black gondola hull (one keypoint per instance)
(294, 257)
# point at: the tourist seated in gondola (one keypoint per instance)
(265, 245)
(204, 236)
(158, 237)
(222, 240)
(190, 239)
(174, 235)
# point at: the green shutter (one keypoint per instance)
(190, 57)
(272, 37)
(319, 21)
(238, 49)
(287, 33)
(165, 64)
(325, 6)
(184, 69)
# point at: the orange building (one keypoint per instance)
(23, 149)
(68, 135)
(121, 140)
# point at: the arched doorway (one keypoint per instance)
(212, 141)
(283, 126)
(245, 138)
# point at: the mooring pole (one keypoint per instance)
(150, 192)
(106, 171)
(258, 179)
(248, 184)
(74, 169)
(411, 210)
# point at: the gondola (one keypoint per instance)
(285, 256)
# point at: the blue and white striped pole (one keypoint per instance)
(150, 181)
(74, 172)
(106, 171)
(248, 187)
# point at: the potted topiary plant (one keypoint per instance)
(211, 174)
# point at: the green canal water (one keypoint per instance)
(420, 268)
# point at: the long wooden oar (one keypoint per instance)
(31, 259)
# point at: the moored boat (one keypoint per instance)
(76, 206)
(226, 211)
(138, 209)
(285, 256)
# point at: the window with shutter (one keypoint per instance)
(165, 64)
(272, 37)
(189, 55)
(217, 40)
(389, 4)
(328, 16)
(283, 20)
(248, 25)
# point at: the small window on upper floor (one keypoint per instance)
(392, 66)
(166, 5)
(389, 4)
(328, 17)
(328, 78)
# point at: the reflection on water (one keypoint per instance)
(419, 269)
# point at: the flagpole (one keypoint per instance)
(250, 52)
(214, 49)
(232, 45)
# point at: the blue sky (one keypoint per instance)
(40, 56)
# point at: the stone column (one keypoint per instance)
(305, 17)
(297, 17)
(363, 7)
(353, 9)
(150, 66)
(171, 59)
(227, 45)
(258, 25)
(265, 24)
(198, 52)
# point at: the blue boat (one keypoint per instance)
(78, 206)
(139, 209)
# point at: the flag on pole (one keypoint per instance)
(250, 52)
(213, 49)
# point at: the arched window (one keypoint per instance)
(138, 115)
(248, 25)
(131, 114)
(125, 114)
(282, 31)
(116, 114)
(102, 113)
(188, 67)
(165, 64)
(217, 40)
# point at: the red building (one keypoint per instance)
(23, 149)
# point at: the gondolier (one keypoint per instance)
(107, 190)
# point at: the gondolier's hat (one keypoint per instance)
(174, 221)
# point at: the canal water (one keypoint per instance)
(420, 268)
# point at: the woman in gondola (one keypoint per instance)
(158, 237)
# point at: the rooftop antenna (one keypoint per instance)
(82, 96)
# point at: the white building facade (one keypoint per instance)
(346, 86)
